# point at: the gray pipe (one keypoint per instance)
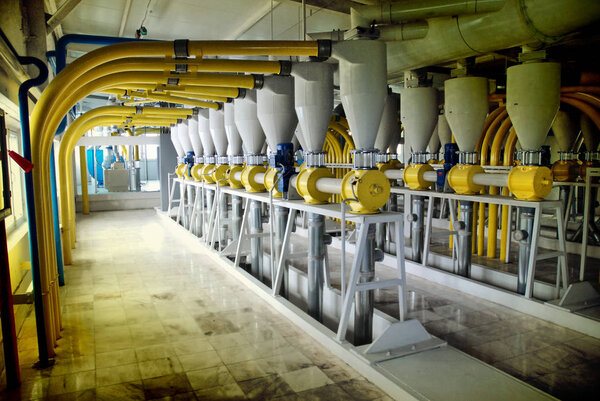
(256, 251)
(223, 214)
(197, 223)
(210, 196)
(280, 215)
(465, 239)
(236, 216)
(418, 206)
(526, 227)
(363, 308)
(316, 265)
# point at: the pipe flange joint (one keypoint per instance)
(180, 48)
(259, 81)
(181, 68)
(414, 176)
(306, 184)
(364, 159)
(196, 111)
(532, 183)
(460, 179)
(285, 68)
(324, 47)
(315, 159)
(248, 178)
(231, 173)
(172, 81)
(241, 93)
(139, 109)
(367, 190)
(271, 182)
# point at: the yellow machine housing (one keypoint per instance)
(370, 187)
(207, 173)
(270, 180)
(219, 174)
(233, 170)
(306, 184)
(532, 183)
(180, 170)
(460, 178)
(197, 171)
(248, 181)
(565, 170)
(414, 176)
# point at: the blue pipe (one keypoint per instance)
(31, 218)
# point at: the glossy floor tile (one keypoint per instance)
(146, 318)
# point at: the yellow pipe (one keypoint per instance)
(493, 209)
(43, 130)
(488, 132)
(509, 149)
(206, 65)
(191, 96)
(181, 100)
(84, 188)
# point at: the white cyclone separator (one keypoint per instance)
(532, 101)
(184, 139)
(418, 112)
(313, 100)
(217, 131)
(275, 110)
(194, 137)
(388, 127)
(363, 87)
(246, 121)
(204, 132)
(443, 130)
(233, 136)
(466, 107)
(175, 141)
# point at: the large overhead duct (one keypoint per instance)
(518, 23)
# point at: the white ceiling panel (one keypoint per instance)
(200, 19)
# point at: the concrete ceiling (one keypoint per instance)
(204, 19)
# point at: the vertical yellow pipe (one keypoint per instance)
(509, 149)
(84, 188)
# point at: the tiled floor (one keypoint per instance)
(147, 318)
(557, 360)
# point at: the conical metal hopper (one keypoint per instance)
(589, 131)
(246, 120)
(313, 86)
(466, 108)
(233, 135)
(363, 87)
(217, 130)
(443, 130)
(298, 134)
(175, 141)
(388, 128)
(204, 131)
(434, 141)
(194, 136)
(565, 131)
(184, 139)
(275, 110)
(532, 101)
(419, 111)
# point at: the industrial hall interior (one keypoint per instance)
(300, 200)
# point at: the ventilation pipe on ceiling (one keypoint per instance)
(518, 23)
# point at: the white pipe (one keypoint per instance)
(518, 23)
(409, 10)
(394, 174)
(493, 180)
(329, 185)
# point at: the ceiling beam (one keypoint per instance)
(124, 18)
(260, 13)
(60, 14)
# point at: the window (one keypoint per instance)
(17, 184)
